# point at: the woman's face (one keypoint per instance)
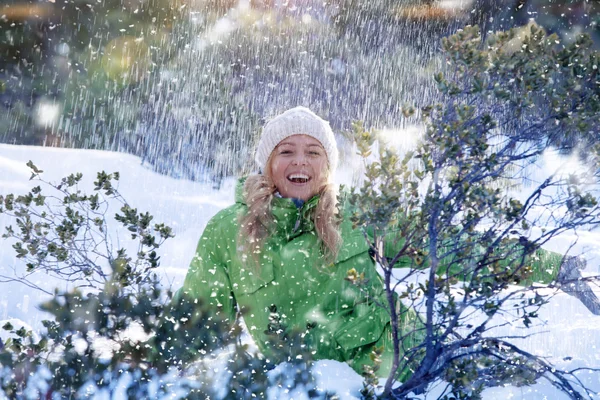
(299, 167)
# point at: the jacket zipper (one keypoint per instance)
(297, 224)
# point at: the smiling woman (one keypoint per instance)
(298, 167)
(297, 154)
(287, 244)
(287, 247)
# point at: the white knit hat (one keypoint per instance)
(296, 121)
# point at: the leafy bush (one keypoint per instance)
(118, 332)
(446, 213)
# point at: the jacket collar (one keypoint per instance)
(290, 220)
(277, 200)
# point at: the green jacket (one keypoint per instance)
(291, 274)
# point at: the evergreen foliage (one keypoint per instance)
(440, 212)
(181, 83)
(80, 55)
(118, 332)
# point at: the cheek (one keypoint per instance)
(320, 171)
(277, 170)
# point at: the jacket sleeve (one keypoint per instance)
(544, 265)
(207, 278)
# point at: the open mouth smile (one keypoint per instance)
(298, 178)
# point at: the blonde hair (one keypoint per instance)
(258, 223)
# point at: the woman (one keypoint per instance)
(282, 244)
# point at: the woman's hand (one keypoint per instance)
(572, 282)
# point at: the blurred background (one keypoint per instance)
(186, 84)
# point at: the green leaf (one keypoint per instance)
(34, 168)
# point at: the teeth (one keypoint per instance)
(298, 176)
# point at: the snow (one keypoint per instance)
(185, 206)
(330, 376)
(568, 335)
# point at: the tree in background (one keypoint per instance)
(57, 56)
(187, 84)
(447, 214)
(446, 209)
(567, 19)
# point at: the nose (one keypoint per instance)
(300, 159)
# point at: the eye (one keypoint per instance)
(314, 153)
(285, 152)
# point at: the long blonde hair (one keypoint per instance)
(258, 223)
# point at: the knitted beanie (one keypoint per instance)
(296, 121)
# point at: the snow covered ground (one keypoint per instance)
(183, 205)
(569, 337)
